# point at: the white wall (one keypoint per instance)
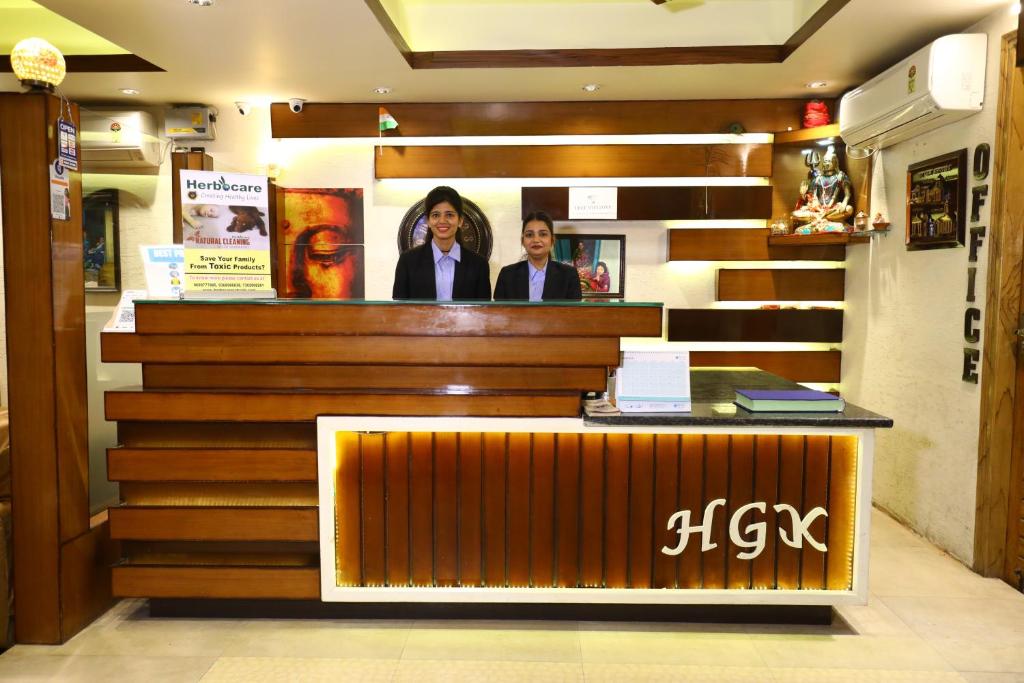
(903, 339)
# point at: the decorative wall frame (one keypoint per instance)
(475, 232)
(101, 248)
(937, 202)
(600, 261)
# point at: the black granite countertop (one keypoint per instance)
(713, 390)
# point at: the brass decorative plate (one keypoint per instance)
(475, 232)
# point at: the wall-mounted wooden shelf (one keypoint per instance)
(664, 203)
(819, 239)
(744, 244)
(807, 135)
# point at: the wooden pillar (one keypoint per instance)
(188, 161)
(61, 578)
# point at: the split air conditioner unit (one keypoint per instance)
(940, 83)
(118, 140)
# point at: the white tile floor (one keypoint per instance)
(929, 620)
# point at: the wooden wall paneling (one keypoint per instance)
(399, 456)
(485, 378)
(495, 492)
(183, 161)
(419, 119)
(766, 488)
(666, 503)
(573, 161)
(764, 284)
(691, 497)
(285, 583)
(592, 539)
(642, 521)
(755, 325)
(421, 509)
(662, 203)
(715, 562)
(741, 490)
(446, 510)
(470, 502)
(221, 553)
(742, 244)
(616, 510)
(348, 544)
(542, 508)
(395, 319)
(85, 576)
(211, 493)
(792, 454)
(517, 499)
(303, 407)
(373, 510)
(202, 435)
(842, 508)
(213, 524)
(816, 492)
(567, 507)
(496, 351)
(214, 464)
(798, 366)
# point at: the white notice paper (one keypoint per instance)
(594, 203)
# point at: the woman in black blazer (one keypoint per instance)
(441, 268)
(539, 277)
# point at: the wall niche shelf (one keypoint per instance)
(804, 136)
(821, 238)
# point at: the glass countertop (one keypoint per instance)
(404, 302)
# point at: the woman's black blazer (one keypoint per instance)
(561, 282)
(414, 275)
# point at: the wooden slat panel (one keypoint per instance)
(766, 488)
(542, 510)
(741, 244)
(238, 407)
(642, 522)
(219, 494)
(691, 497)
(421, 509)
(397, 496)
(616, 511)
(206, 435)
(592, 487)
(470, 509)
(763, 284)
(842, 507)
(725, 325)
(352, 319)
(791, 484)
(567, 510)
(663, 203)
(220, 582)
(716, 485)
(511, 351)
(159, 376)
(666, 503)
(518, 523)
(339, 120)
(495, 496)
(214, 524)
(372, 510)
(446, 512)
(798, 366)
(741, 491)
(574, 161)
(816, 480)
(186, 464)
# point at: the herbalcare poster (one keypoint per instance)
(225, 233)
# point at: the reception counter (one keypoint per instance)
(434, 453)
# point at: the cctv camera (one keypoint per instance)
(295, 104)
(243, 108)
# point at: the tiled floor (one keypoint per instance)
(929, 620)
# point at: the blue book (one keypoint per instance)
(789, 400)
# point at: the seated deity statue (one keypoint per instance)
(828, 197)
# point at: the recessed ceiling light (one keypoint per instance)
(129, 91)
(814, 85)
(1015, 9)
(591, 87)
(383, 90)
(200, 3)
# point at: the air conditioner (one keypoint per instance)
(118, 140)
(938, 84)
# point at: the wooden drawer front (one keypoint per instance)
(190, 464)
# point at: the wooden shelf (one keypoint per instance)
(806, 240)
(805, 135)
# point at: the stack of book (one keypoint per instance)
(789, 401)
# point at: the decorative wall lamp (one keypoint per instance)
(38, 64)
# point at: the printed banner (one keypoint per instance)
(163, 266)
(224, 231)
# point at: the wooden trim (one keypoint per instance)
(223, 406)
(414, 320)
(720, 325)
(384, 19)
(764, 284)
(591, 57)
(281, 349)
(798, 366)
(193, 464)
(97, 64)
(427, 119)
(213, 524)
(189, 161)
(742, 244)
(995, 504)
(213, 435)
(663, 203)
(291, 583)
(85, 577)
(811, 26)
(573, 161)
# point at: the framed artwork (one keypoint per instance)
(476, 230)
(320, 238)
(101, 252)
(600, 261)
(937, 202)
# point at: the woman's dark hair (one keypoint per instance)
(601, 264)
(541, 216)
(443, 193)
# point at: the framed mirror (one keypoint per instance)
(101, 254)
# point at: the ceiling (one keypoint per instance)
(336, 50)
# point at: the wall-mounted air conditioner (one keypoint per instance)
(940, 83)
(118, 140)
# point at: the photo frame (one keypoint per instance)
(320, 241)
(101, 248)
(937, 202)
(599, 260)
(476, 230)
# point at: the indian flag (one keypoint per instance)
(387, 121)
